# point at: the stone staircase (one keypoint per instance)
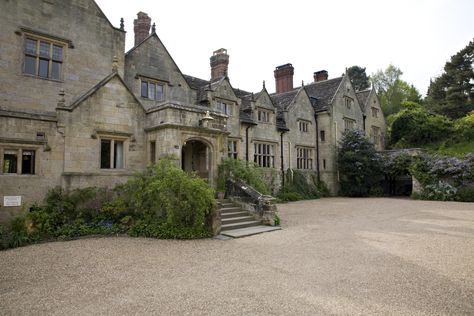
(236, 222)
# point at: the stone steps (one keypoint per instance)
(236, 222)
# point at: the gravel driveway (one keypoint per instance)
(334, 256)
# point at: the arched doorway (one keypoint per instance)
(196, 157)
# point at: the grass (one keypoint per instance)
(451, 149)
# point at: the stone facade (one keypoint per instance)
(76, 111)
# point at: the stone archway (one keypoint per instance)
(196, 157)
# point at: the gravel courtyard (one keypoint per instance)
(334, 256)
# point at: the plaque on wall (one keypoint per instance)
(12, 201)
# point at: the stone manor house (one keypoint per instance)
(75, 110)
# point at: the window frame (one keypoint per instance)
(264, 116)
(349, 124)
(264, 154)
(322, 135)
(375, 134)
(51, 58)
(232, 149)
(112, 162)
(304, 158)
(375, 112)
(348, 102)
(224, 107)
(303, 126)
(155, 84)
(20, 151)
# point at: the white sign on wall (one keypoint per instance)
(12, 201)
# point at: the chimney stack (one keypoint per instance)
(284, 78)
(141, 27)
(320, 75)
(219, 64)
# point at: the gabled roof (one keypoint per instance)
(363, 98)
(154, 35)
(321, 93)
(283, 100)
(194, 82)
(96, 88)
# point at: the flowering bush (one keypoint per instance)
(440, 191)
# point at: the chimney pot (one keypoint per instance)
(320, 75)
(219, 64)
(284, 78)
(141, 27)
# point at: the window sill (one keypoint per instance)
(18, 175)
(42, 78)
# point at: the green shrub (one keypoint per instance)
(161, 202)
(277, 220)
(299, 186)
(245, 171)
(465, 194)
(289, 196)
(359, 165)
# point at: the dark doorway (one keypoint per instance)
(195, 157)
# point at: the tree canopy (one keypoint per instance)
(359, 79)
(452, 93)
(392, 90)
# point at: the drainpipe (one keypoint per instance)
(281, 159)
(317, 147)
(247, 143)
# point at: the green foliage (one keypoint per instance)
(392, 91)
(277, 220)
(358, 77)
(397, 163)
(465, 128)
(466, 194)
(285, 196)
(452, 94)
(180, 209)
(414, 126)
(157, 229)
(360, 167)
(299, 186)
(247, 172)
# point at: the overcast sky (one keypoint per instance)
(418, 36)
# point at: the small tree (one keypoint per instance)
(359, 79)
(359, 165)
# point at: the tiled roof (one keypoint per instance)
(195, 83)
(241, 93)
(322, 92)
(363, 96)
(283, 100)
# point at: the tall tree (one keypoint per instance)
(452, 94)
(359, 79)
(392, 90)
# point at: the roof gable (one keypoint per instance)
(322, 93)
(158, 44)
(78, 101)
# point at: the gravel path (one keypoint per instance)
(333, 256)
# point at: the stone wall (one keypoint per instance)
(89, 42)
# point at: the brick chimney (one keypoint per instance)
(141, 27)
(284, 78)
(320, 75)
(219, 64)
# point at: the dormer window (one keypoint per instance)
(303, 126)
(375, 112)
(263, 116)
(348, 102)
(224, 108)
(152, 90)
